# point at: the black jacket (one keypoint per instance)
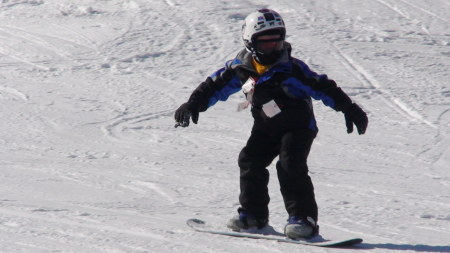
(289, 82)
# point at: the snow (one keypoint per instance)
(91, 161)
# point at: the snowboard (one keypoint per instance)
(201, 226)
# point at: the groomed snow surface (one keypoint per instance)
(91, 161)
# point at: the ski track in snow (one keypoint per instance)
(91, 161)
(367, 79)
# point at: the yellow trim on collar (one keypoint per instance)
(261, 69)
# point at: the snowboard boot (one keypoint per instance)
(298, 228)
(245, 221)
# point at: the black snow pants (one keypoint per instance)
(292, 147)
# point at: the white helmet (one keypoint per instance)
(261, 22)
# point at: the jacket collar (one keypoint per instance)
(244, 60)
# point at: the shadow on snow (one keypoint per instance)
(417, 248)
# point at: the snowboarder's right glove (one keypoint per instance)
(355, 115)
(184, 113)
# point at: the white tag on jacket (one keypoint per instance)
(271, 109)
(248, 88)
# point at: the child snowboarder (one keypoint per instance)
(278, 88)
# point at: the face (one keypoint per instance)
(266, 44)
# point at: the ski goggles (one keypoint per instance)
(267, 46)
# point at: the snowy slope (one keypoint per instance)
(90, 160)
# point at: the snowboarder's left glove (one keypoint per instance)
(355, 115)
(184, 113)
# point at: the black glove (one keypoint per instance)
(184, 113)
(355, 115)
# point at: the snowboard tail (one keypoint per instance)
(201, 226)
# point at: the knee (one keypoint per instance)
(247, 160)
(292, 167)
(243, 159)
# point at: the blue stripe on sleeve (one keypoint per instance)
(300, 90)
(233, 86)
